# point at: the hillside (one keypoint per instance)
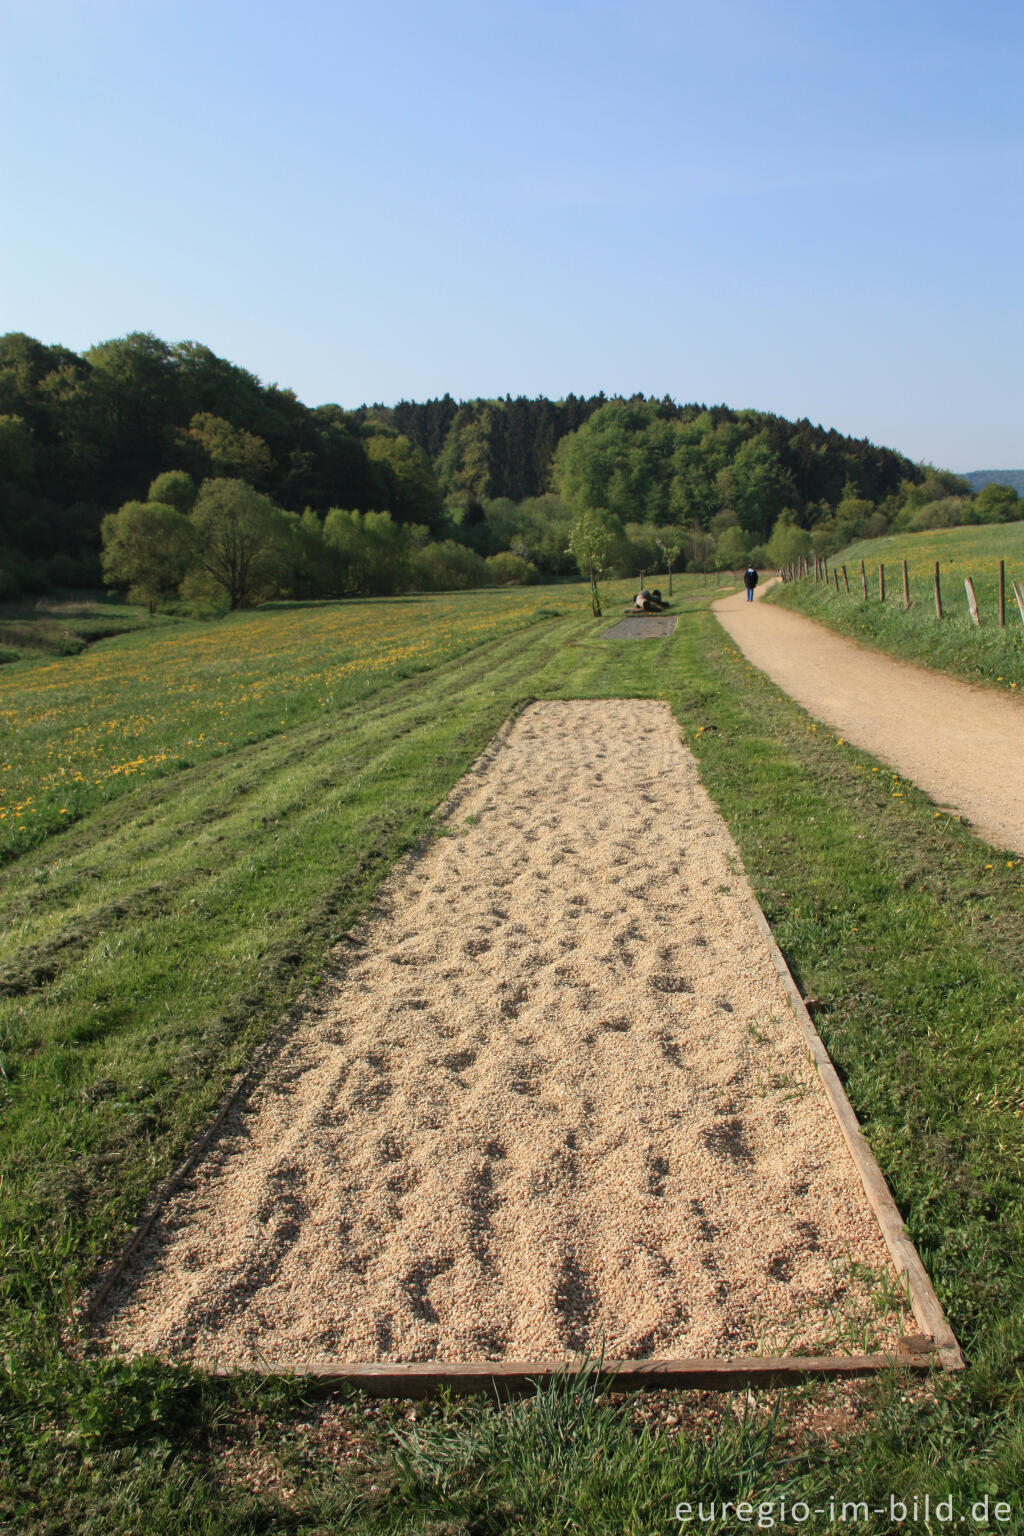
(976, 478)
(83, 435)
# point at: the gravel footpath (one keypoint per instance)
(554, 1097)
(962, 745)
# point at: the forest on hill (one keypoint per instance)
(977, 479)
(137, 461)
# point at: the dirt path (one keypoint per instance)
(555, 1097)
(964, 746)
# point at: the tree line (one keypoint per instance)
(140, 445)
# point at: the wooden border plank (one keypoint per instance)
(512, 1378)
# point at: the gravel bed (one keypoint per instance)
(551, 1098)
(643, 626)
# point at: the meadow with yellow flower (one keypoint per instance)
(74, 730)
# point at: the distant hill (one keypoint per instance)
(979, 477)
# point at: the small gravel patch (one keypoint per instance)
(553, 1098)
(643, 626)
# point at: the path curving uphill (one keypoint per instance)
(964, 746)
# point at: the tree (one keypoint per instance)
(147, 547)
(227, 450)
(447, 567)
(733, 548)
(671, 547)
(996, 504)
(698, 545)
(509, 569)
(592, 539)
(788, 541)
(240, 540)
(367, 550)
(408, 484)
(174, 488)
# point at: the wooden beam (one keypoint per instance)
(515, 1378)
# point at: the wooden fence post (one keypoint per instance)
(881, 582)
(864, 580)
(938, 593)
(906, 586)
(1002, 595)
(972, 601)
(847, 581)
(824, 566)
(1018, 592)
(835, 573)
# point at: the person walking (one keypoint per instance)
(750, 582)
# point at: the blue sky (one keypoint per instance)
(813, 209)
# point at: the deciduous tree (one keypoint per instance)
(241, 540)
(147, 547)
(591, 541)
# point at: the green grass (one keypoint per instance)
(955, 644)
(65, 627)
(150, 948)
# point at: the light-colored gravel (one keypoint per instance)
(555, 1098)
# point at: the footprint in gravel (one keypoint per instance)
(780, 1268)
(667, 983)
(458, 1061)
(390, 1150)
(512, 1000)
(416, 1282)
(402, 1182)
(728, 1138)
(619, 1025)
(384, 1336)
(368, 1083)
(657, 1169)
(476, 946)
(707, 1233)
(669, 1049)
(575, 1303)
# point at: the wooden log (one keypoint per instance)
(906, 586)
(517, 1378)
(864, 579)
(972, 601)
(846, 580)
(938, 593)
(1002, 595)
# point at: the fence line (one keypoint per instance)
(804, 567)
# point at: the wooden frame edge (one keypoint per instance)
(513, 1378)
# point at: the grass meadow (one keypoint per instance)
(74, 736)
(155, 936)
(988, 654)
